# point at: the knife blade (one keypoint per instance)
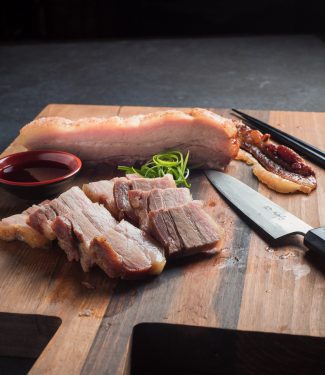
(269, 216)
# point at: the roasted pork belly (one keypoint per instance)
(277, 166)
(16, 227)
(210, 138)
(143, 202)
(184, 230)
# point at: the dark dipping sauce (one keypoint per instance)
(34, 171)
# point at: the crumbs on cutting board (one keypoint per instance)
(86, 313)
(299, 270)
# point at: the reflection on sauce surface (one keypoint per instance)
(34, 171)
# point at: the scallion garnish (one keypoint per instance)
(171, 162)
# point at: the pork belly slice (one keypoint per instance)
(128, 253)
(143, 202)
(210, 138)
(102, 192)
(184, 230)
(124, 184)
(87, 221)
(150, 247)
(74, 220)
(16, 227)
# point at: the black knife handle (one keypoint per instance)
(315, 240)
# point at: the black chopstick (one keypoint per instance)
(311, 152)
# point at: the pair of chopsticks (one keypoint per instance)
(311, 152)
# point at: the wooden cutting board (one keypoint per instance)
(250, 285)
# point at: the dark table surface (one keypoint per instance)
(257, 72)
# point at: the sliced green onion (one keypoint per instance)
(171, 162)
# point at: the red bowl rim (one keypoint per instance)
(45, 182)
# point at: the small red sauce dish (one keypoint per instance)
(38, 174)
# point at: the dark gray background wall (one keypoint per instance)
(211, 53)
(84, 19)
(270, 72)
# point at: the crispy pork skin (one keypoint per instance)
(210, 138)
(16, 227)
(184, 230)
(143, 202)
(277, 166)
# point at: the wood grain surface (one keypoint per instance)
(251, 285)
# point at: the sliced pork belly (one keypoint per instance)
(74, 220)
(210, 138)
(16, 227)
(128, 252)
(102, 192)
(120, 192)
(143, 202)
(41, 220)
(124, 184)
(152, 249)
(184, 230)
(83, 227)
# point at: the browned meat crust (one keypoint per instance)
(287, 171)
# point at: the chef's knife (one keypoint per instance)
(273, 219)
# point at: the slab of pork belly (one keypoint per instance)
(124, 184)
(184, 230)
(16, 227)
(210, 138)
(128, 253)
(145, 201)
